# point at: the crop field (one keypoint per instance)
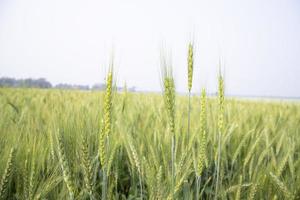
(64, 144)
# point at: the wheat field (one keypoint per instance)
(63, 144)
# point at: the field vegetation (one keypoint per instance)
(62, 144)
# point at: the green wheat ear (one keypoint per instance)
(220, 129)
(7, 174)
(281, 186)
(190, 61)
(253, 191)
(101, 149)
(87, 166)
(108, 104)
(221, 103)
(67, 175)
(203, 123)
(106, 131)
(169, 97)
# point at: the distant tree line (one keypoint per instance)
(28, 82)
(43, 83)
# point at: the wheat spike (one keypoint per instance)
(87, 167)
(102, 139)
(32, 179)
(253, 190)
(159, 183)
(251, 151)
(169, 96)
(52, 151)
(221, 104)
(65, 167)
(177, 188)
(26, 180)
(106, 122)
(7, 174)
(220, 129)
(240, 146)
(203, 137)
(108, 104)
(110, 159)
(238, 192)
(135, 158)
(190, 61)
(104, 134)
(282, 164)
(181, 163)
(281, 186)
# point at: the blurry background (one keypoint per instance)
(70, 41)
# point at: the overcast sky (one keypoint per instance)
(71, 41)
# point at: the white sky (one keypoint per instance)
(71, 40)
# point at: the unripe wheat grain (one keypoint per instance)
(7, 174)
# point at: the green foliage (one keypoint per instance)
(260, 146)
